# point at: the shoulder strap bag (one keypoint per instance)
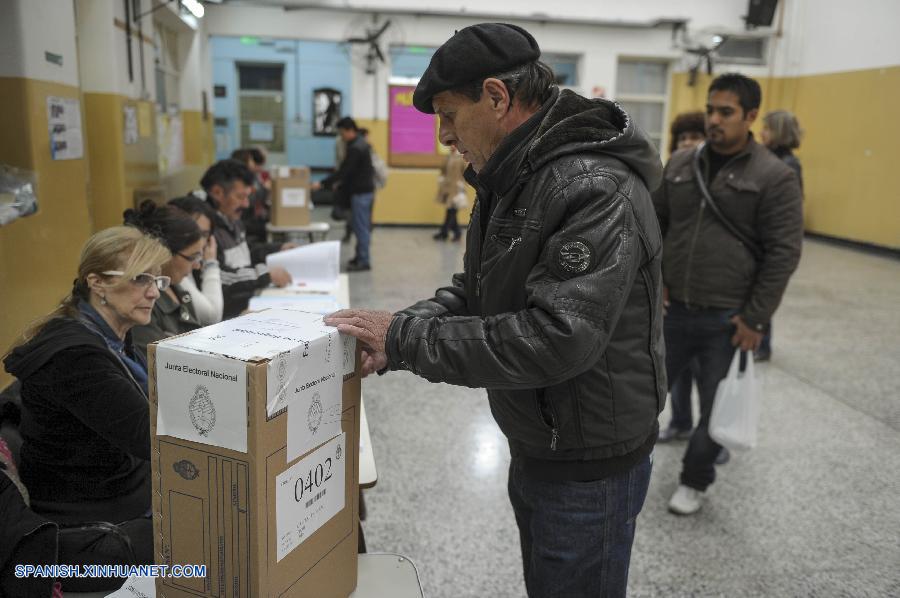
(746, 241)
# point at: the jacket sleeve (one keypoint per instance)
(101, 396)
(568, 320)
(142, 336)
(260, 251)
(447, 301)
(780, 226)
(346, 170)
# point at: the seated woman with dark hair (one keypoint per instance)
(85, 423)
(205, 286)
(178, 231)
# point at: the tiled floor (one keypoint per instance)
(813, 511)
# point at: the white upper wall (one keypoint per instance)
(29, 29)
(827, 36)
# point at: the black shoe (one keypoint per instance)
(456, 238)
(439, 237)
(353, 262)
(358, 267)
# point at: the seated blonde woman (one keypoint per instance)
(85, 426)
(179, 232)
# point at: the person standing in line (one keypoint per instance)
(452, 194)
(558, 312)
(781, 134)
(356, 178)
(732, 222)
(688, 130)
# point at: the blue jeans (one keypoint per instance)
(361, 223)
(680, 397)
(704, 335)
(576, 537)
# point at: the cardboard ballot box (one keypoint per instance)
(291, 195)
(255, 432)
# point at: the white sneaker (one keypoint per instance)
(686, 500)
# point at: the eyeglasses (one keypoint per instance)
(144, 280)
(194, 259)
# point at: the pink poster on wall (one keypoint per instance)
(411, 131)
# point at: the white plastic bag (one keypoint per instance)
(735, 412)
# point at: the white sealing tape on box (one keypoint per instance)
(201, 397)
(308, 494)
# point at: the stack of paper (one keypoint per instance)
(313, 268)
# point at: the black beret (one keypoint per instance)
(474, 53)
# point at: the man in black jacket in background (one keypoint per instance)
(723, 286)
(355, 178)
(558, 312)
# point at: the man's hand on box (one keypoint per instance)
(288, 245)
(370, 328)
(280, 276)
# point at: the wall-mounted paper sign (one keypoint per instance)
(64, 124)
(130, 124)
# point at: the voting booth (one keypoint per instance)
(255, 436)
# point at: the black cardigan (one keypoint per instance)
(85, 427)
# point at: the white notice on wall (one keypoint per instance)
(130, 124)
(202, 398)
(64, 124)
(293, 197)
(308, 494)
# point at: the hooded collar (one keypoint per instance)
(502, 169)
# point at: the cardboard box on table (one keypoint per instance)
(217, 507)
(291, 195)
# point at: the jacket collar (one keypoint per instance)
(747, 150)
(167, 305)
(502, 170)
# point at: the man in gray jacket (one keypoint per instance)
(558, 312)
(727, 262)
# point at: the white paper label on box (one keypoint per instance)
(201, 397)
(284, 172)
(307, 372)
(308, 494)
(293, 197)
(136, 587)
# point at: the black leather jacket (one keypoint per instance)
(559, 310)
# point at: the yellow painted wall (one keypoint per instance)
(850, 146)
(199, 143)
(408, 197)
(39, 253)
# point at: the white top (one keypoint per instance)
(208, 302)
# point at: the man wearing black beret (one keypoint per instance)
(558, 312)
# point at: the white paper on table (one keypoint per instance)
(313, 303)
(136, 587)
(293, 197)
(308, 494)
(313, 267)
(201, 397)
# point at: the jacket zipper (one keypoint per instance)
(554, 427)
(687, 272)
(478, 284)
